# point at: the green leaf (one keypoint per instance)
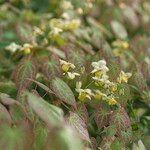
(63, 91)
(50, 114)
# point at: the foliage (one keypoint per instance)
(74, 74)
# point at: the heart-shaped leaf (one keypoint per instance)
(101, 115)
(25, 69)
(63, 139)
(50, 114)
(63, 91)
(79, 125)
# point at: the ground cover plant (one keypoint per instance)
(74, 75)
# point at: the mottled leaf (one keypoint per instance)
(25, 69)
(79, 125)
(50, 114)
(63, 91)
(63, 139)
(101, 115)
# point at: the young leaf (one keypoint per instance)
(63, 91)
(50, 114)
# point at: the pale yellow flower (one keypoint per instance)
(112, 101)
(84, 94)
(78, 85)
(27, 48)
(121, 44)
(123, 77)
(72, 75)
(72, 25)
(66, 5)
(55, 31)
(100, 68)
(80, 11)
(13, 47)
(101, 81)
(66, 65)
(65, 15)
(99, 95)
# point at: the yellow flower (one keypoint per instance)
(72, 75)
(66, 65)
(13, 47)
(125, 45)
(84, 94)
(80, 11)
(72, 25)
(100, 68)
(123, 77)
(114, 88)
(101, 81)
(78, 85)
(99, 95)
(117, 52)
(27, 50)
(66, 5)
(121, 44)
(112, 101)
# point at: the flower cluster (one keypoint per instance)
(105, 89)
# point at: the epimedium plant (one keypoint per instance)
(75, 79)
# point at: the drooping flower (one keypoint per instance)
(27, 48)
(121, 44)
(114, 87)
(112, 102)
(66, 66)
(55, 31)
(13, 47)
(72, 75)
(100, 68)
(84, 94)
(66, 5)
(99, 95)
(101, 81)
(123, 77)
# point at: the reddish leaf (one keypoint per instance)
(101, 115)
(79, 125)
(25, 69)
